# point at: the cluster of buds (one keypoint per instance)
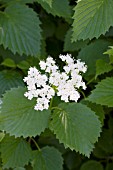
(64, 84)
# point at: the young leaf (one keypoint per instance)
(102, 67)
(18, 116)
(8, 62)
(20, 29)
(76, 126)
(48, 158)
(103, 94)
(110, 53)
(89, 16)
(9, 79)
(92, 165)
(15, 152)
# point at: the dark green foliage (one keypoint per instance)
(67, 136)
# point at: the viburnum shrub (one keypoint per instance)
(56, 84)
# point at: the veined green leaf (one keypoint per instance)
(76, 126)
(15, 152)
(58, 8)
(48, 158)
(18, 116)
(20, 29)
(92, 165)
(103, 93)
(48, 2)
(102, 67)
(92, 18)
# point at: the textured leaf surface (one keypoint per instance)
(102, 67)
(92, 18)
(15, 152)
(103, 94)
(18, 116)
(92, 165)
(9, 79)
(20, 30)
(93, 52)
(48, 2)
(48, 158)
(76, 126)
(58, 8)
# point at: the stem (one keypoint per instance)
(36, 144)
(51, 102)
(90, 80)
(83, 94)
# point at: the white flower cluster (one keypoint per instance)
(64, 84)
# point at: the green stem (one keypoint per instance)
(90, 81)
(51, 102)
(83, 94)
(36, 144)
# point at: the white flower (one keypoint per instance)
(42, 65)
(65, 84)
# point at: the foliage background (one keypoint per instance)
(29, 32)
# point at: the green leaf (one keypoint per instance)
(20, 30)
(15, 152)
(18, 116)
(76, 126)
(73, 46)
(48, 158)
(2, 135)
(89, 16)
(58, 8)
(98, 109)
(8, 62)
(103, 94)
(19, 168)
(24, 65)
(99, 152)
(93, 52)
(9, 79)
(12, 1)
(110, 53)
(5, 53)
(48, 2)
(102, 67)
(92, 165)
(106, 141)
